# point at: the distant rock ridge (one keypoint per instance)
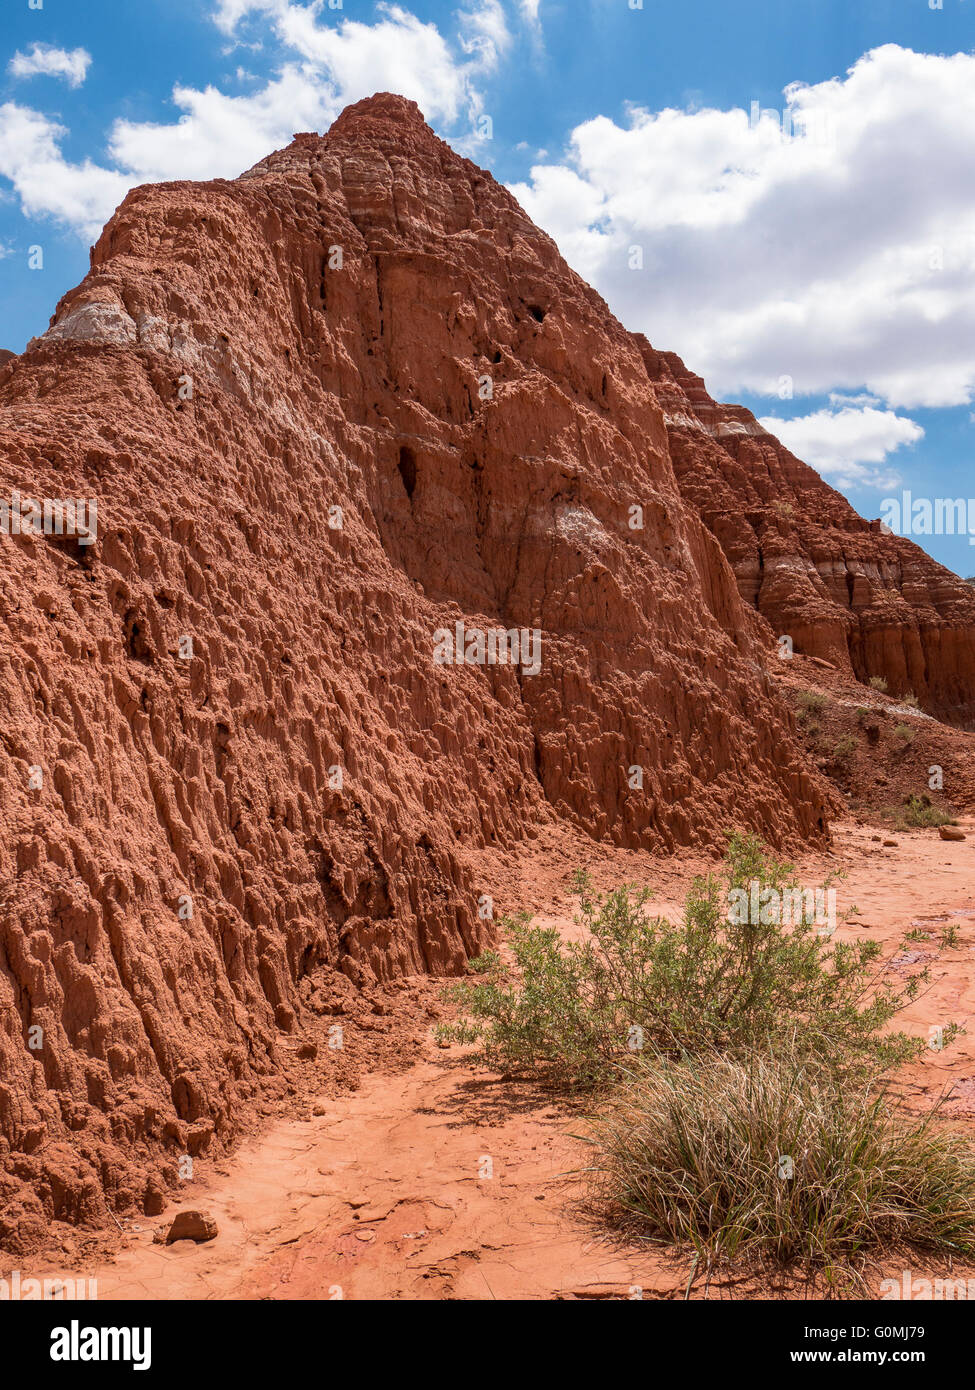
(330, 410)
(872, 603)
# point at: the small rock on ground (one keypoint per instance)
(189, 1225)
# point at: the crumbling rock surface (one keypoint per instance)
(869, 602)
(327, 411)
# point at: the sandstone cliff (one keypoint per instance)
(871, 603)
(327, 411)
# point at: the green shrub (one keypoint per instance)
(904, 732)
(573, 1011)
(845, 749)
(911, 700)
(918, 812)
(747, 1121)
(769, 1160)
(878, 683)
(811, 701)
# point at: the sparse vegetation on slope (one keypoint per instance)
(919, 812)
(739, 1058)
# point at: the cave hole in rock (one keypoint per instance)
(407, 469)
(135, 639)
(537, 313)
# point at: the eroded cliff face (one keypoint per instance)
(873, 604)
(328, 411)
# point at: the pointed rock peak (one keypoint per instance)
(385, 107)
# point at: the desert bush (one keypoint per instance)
(746, 1119)
(919, 811)
(904, 732)
(845, 749)
(811, 701)
(767, 1159)
(878, 683)
(573, 1011)
(911, 700)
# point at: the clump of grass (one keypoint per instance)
(919, 812)
(911, 700)
(904, 732)
(767, 1160)
(572, 1012)
(811, 702)
(949, 936)
(863, 713)
(878, 683)
(845, 749)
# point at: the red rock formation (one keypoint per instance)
(363, 322)
(873, 604)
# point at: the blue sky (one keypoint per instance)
(816, 263)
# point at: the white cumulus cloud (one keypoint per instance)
(847, 445)
(326, 64)
(396, 52)
(218, 136)
(843, 256)
(333, 64)
(44, 60)
(484, 34)
(81, 195)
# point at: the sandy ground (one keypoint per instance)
(444, 1183)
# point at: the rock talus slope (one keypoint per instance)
(327, 411)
